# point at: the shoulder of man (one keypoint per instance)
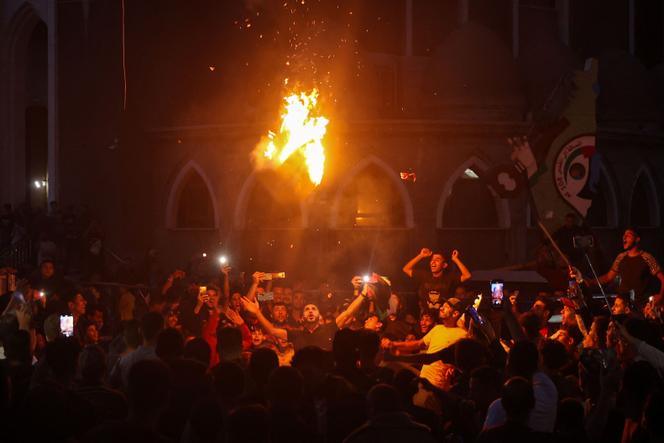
(618, 260)
(651, 262)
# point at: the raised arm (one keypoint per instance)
(408, 267)
(256, 278)
(351, 309)
(465, 273)
(253, 308)
(226, 272)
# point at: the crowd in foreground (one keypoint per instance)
(215, 358)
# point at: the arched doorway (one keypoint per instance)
(603, 211)
(372, 197)
(29, 106)
(36, 117)
(644, 206)
(468, 202)
(191, 202)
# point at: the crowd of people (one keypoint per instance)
(215, 357)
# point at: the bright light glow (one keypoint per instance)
(366, 279)
(204, 255)
(223, 260)
(469, 173)
(37, 184)
(302, 131)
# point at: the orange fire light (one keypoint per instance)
(301, 133)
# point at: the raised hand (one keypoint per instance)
(249, 306)
(455, 254)
(257, 277)
(23, 315)
(357, 282)
(226, 270)
(523, 154)
(233, 316)
(425, 252)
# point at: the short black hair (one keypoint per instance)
(438, 252)
(151, 324)
(634, 229)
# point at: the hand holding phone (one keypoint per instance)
(67, 325)
(497, 293)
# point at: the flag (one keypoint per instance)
(569, 170)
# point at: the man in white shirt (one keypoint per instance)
(441, 336)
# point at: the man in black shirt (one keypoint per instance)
(436, 286)
(315, 332)
(636, 269)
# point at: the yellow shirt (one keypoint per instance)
(439, 338)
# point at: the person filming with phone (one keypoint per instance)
(436, 285)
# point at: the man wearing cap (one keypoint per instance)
(441, 336)
(635, 268)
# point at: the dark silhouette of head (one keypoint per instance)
(229, 343)
(285, 387)
(345, 347)
(229, 381)
(148, 389)
(62, 358)
(383, 399)
(249, 424)
(170, 344)
(199, 350)
(523, 359)
(518, 399)
(92, 365)
(151, 324)
(263, 361)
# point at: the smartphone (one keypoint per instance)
(67, 325)
(556, 318)
(202, 290)
(265, 296)
(497, 293)
(475, 316)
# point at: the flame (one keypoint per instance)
(302, 131)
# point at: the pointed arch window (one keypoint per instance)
(602, 212)
(371, 200)
(191, 202)
(644, 207)
(273, 204)
(471, 204)
(195, 209)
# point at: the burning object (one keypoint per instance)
(300, 135)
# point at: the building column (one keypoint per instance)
(409, 28)
(632, 27)
(52, 105)
(563, 20)
(464, 7)
(515, 28)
